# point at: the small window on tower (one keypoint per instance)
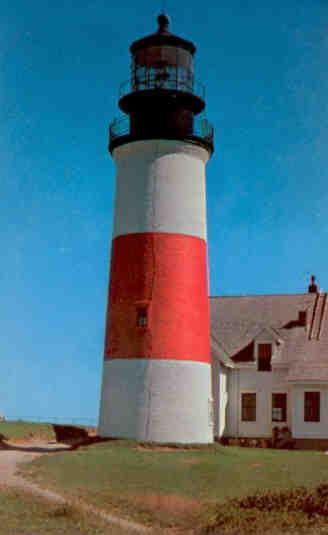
(142, 317)
(264, 357)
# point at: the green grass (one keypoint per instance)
(23, 514)
(26, 430)
(166, 487)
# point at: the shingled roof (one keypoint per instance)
(299, 321)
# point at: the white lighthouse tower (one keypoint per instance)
(157, 366)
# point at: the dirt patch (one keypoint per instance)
(169, 504)
(29, 439)
(190, 461)
(180, 531)
(151, 447)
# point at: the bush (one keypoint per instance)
(288, 510)
(297, 500)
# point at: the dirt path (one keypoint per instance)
(12, 455)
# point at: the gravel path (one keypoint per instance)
(12, 455)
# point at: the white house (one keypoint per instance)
(270, 365)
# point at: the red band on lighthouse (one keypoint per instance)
(163, 276)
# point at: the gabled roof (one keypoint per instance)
(237, 321)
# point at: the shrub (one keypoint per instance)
(298, 508)
(296, 500)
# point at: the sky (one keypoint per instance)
(264, 65)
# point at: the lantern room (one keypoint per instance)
(162, 98)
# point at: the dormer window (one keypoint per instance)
(264, 355)
(142, 317)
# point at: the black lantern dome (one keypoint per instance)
(162, 98)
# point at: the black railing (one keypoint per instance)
(201, 128)
(162, 81)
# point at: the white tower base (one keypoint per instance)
(141, 399)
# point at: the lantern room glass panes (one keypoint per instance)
(140, 79)
(162, 67)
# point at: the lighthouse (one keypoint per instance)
(157, 366)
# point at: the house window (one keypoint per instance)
(264, 357)
(279, 407)
(142, 317)
(311, 406)
(248, 407)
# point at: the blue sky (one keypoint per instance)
(264, 65)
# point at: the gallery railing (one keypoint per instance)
(201, 129)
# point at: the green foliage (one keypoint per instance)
(298, 510)
(311, 502)
(233, 521)
(26, 430)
